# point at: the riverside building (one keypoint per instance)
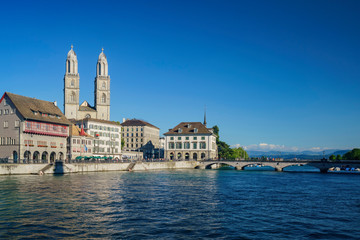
(137, 134)
(32, 130)
(80, 144)
(190, 141)
(107, 136)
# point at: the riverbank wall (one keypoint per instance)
(65, 168)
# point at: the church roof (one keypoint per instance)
(102, 55)
(137, 122)
(35, 109)
(71, 53)
(86, 108)
(188, 128)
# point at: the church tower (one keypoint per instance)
(71, 86)
(102, 88)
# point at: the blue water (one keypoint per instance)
(181, 204)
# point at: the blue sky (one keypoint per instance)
(281, 75)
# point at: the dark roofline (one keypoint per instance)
(137, 122)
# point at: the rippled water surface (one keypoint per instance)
(182, 204)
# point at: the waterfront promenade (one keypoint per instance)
(157, 164)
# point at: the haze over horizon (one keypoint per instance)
(279, 75)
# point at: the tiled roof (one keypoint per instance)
(75, 131)
(39, 110)
(187, 128)
(137, 122)
(95, 120)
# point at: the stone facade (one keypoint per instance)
(190, 141)
(31, 130)
(101, 108)
(137, 133)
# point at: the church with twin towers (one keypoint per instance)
(72, 107)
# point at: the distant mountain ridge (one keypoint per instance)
(298, 155)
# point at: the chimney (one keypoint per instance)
(55, 103)
(123, 120)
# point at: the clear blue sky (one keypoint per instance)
(282, 73)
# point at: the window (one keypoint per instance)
(137, 129)
(194, 145)
(202, 145)
(17, 123)
(6, 124)
(171, 145)
(186, 145)
(74, 141)
(171, 138)
(0, 111)
(178, 145)
(6, 112)
(103, 85)
(195, 138)
(72, 97)
(202, 138)
(72, 84)
(187, 138)
(179, 138)
(195, 130)
(103, 98)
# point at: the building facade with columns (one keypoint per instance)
(101, 107)
(190, 141)
(32, 130)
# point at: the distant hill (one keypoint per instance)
(299, 155)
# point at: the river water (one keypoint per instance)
(181, 204)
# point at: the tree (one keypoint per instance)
(332, 157)
(224, 150)
(122, 143)
(352, 155)
(338, 157)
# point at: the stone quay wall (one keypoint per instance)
(64, 168)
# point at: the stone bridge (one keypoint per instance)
(322, 165)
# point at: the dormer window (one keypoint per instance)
(195, 130)
(180, 130)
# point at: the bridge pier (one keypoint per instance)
(323, 170)
(278, 169)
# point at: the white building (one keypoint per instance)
(190, 141)
(107, 136)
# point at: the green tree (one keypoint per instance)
(224, 150)
(338, 157)
(352, 155)
(332, 157)
(239, 153)
(122, 143)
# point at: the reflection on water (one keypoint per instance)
(180, 204)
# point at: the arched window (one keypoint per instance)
(99, 68)
(72, 83)
(103, 69)
(103, 85)
(72, 97)
(103, 98)
(68, 66)
(73, 66)
(87, 116)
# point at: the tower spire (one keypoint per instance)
(205, 116)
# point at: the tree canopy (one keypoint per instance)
(352, 155)
(224, 149)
